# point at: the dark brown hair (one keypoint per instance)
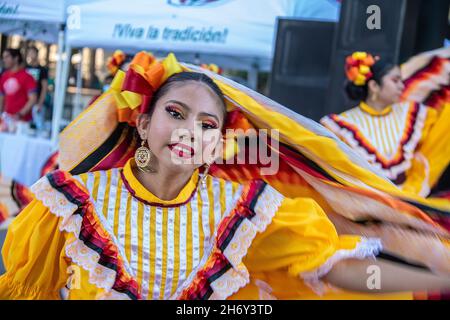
(15, 53)
(379, 70)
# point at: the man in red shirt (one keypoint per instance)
(18, 89)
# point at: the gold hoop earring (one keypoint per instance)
(142, 157)
(205, 175)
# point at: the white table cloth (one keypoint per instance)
(22, 157)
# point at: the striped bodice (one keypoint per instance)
(388, 140)
(383, 132)
(162, 243)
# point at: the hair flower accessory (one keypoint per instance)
(115, 62)
(358, 67)
(134, 89)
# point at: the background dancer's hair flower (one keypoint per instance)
(358, 67)
(116, 61)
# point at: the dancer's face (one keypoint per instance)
(184, 129)
(391, 87)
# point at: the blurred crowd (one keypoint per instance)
(25, 100)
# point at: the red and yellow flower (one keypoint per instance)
(115, 61)
(357, 67)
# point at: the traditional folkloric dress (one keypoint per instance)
(390, 139)
(93, 231)
(103, 235)
(427, 80)
(407, 142)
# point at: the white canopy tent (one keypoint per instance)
(217, 31)
(222, 30)
(231, 32)
(238, 34)
(36, 20)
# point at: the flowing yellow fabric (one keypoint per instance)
(276, 257)
(299, 218)
(34, 257)
(321, 149)
(433, 155)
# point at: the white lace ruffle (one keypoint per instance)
(76, 250)
(366, 248)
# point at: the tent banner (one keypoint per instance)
(229, 27)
